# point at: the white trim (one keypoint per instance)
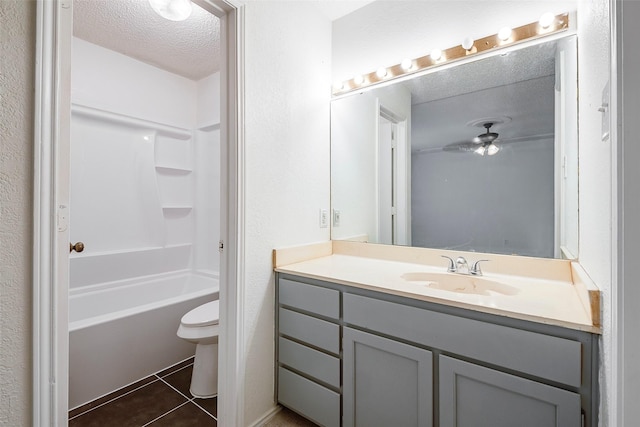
(231, 353)
(50, 279)
(267, 416)
(50, 269)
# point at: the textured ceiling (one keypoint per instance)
(189, 48)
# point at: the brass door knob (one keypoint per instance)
(78, 247)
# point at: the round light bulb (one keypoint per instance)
(382, 72)
(467, 43)
(338, 86)
(436, 54)
(546, 20)
(406, 64)
(504, 33)
(173, 10)
(492, 149)
(358, 79)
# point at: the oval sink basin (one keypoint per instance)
(460, 283)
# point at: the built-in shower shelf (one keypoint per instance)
(173, 170)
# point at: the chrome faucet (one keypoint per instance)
(461, 266)
(475, 268)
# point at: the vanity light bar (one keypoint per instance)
(538, 29)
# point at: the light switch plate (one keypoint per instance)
(336, 218)
(324, 218)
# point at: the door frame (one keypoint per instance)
(54, 26)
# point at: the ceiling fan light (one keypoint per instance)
(492, 149)
(480, 150)
(173, 10)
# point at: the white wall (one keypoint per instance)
(287, 86)
(354, 161)
(114, 82)
(17, 68)
(353, 166)
(207, 178)
(497, 204)
(595, 181)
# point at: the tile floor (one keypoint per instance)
(159, 400)
(163, 400)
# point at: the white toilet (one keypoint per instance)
(200, 326)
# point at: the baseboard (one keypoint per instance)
(267, 416)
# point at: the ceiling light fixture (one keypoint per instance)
(382, 72)
(504, 34)
(406, 64)
(486, 139)
(173, 10)
(469, 47)
(467, 43)
(546, 20)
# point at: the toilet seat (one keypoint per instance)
(204, 315)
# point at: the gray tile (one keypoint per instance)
(181, 380)
(185, 416)
(134, 409)
(175, 367)
(111, 396)
(210, 405)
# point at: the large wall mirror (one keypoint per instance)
(480, 156)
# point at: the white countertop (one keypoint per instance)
(555, 302)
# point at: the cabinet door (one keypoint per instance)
(472, 396)
(385, 383)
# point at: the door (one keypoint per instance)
(393, 176)
(387, 181)
(474, 396)
(385, 382)
(51, 209)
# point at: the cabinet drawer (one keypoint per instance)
(319, 333)
(322, 301)
(544, 356)
(310, 399)
(316, 364)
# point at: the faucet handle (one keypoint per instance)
(452, 265)
(475, 268)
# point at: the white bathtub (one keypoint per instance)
(123, 331)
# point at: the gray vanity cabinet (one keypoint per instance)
(386, 383)
(308, 351)
(353, 357)
(473, 395)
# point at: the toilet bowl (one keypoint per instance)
(200, 326)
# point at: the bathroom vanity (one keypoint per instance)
(353, 352)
